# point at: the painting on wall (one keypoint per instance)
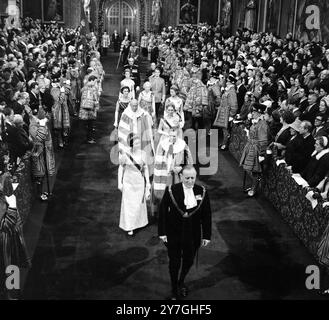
(53, 10)
(226, 16)
(188, 11)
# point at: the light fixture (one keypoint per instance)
(135, 12)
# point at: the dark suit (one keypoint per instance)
(316, 170)
(298, 152)
(184, 234)
(15, 143)
(34, 103)
(47, 100)
(18, 108)
(283, 137)
(302, 105)
(116, 42)
(320, 132)
(127, 35)
(241, 93)
(310, 113)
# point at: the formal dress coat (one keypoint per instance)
(317, 168)
(14, 142)
(298, 152)
(303, 104)
(116, 42)
(182, 226)
(310, 113)
(241, 92)
(34, 102)
(128, 35)
(320, 132)
(307, 150)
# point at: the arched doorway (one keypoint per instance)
(110, 16)
(119, 15)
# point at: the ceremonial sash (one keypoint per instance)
(140, 169)
(167, 123)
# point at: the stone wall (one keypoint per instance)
(72, 13)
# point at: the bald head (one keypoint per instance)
(188, 175)
(134, 105)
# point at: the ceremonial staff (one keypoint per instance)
(119, 60)
(46, 169)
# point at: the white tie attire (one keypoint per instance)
(189, 198)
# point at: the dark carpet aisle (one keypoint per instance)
(82, 253)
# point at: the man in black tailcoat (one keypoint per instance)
(184, 225)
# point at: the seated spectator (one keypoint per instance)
(323, 107)
(294, 150)
(311, 111)
(303, 99)
(273, 119)
(25, 141)
(246, 107)
(300, 147)
(319, 126)
(318, 166)
(322, 189)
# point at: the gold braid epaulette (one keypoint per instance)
(186, 214)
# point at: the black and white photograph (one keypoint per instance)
(160, 153)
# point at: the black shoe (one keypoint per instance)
(173, 297)
(130, 233)
(223, 147)
(251, 193)
(183, 290)
(44, 196)
(246, 190)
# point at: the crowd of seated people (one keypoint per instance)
(46, 75)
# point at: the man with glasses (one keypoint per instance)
(319, 124)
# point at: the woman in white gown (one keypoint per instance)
(135, 186)
(175, 100)
(128, 82)
(170, 122)
(146, 100)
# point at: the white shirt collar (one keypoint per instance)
(320, 154)
(189, 198)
